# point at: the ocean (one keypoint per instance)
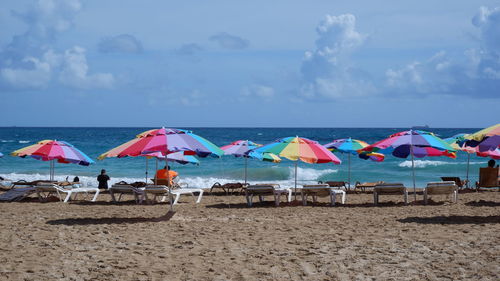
(95, 141)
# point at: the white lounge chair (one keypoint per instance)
(161, 190)
(321, 190)
(123, 188)
(44, 190)
(441, 188)
(262, 190)
(389, 189)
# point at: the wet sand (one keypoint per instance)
(222, 239)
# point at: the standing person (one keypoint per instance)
(103, 180)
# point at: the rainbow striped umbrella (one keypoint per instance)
(166, 141)
(241, 148)
(486, 139)
(51, 150)
(296, 148)
(414, 143)
(352, 146)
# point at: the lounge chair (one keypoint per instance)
(229, 187)
(488, 178)
(460, 183)
(44, 190)
(165, 182)
(363, 186)
(389, 189)
(336, 184)
(162, 190)
(125, 188)
(17, 194)
(441, 188)
(321, 190)
(262, 190)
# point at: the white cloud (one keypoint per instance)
(123, 43)
(189, 49)
(258, 91)
(476, 73)
(228, 41)
(30, 62)
(327, 71)
(74, 71)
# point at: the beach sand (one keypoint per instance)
(222, 239)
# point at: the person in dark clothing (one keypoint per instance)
(491, 163)
(103, 180)
(76, 179)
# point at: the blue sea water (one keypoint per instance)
(94, 141)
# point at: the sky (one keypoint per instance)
(282, 63)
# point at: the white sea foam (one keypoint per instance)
(7, 140)
(426, 163)
(305, 176)
(24, 141)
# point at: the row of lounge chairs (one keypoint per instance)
(324, 190)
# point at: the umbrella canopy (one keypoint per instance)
(166, 141)
(48, 150)
(351, 146)
(241, 148)
(486, 139)
(51, 150)
(377, 157)
(177, 157)
(296, 148)
(346, 145)
(414, 143)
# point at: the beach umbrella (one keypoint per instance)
(53, 150)
(350, 146)
(241, 148)
(377, 157)
(166, 141)
(414, 143)
(296, 148)
(485, 139)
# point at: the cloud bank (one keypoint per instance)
(30, 62)
(123, 43)
(228, 41)
(327, 71)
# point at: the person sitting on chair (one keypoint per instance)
(162, 175)
(103, 180)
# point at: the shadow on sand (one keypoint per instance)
(452, 220)
(110, 220)
(483, 203)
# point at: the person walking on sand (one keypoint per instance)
(162, 174)
(103, 179)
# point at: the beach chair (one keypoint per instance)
(321, 190)
(122, 188)
(441, 188)
(363, 186)
(229, 187)
(488, 178)
(165, 182)
(262, 190)
(335, 184)
(17, 194)
(162, 190)
(460, 183)
(44, 190)
(389, 189)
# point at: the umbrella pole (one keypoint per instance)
(246, 163)
(146, 170)
(349, 172)
(467, 176)
(156, 183)
(413, 173)
(169, 186)
(295, 198)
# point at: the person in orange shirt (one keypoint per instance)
(162, 174)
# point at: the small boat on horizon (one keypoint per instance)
(424, 127)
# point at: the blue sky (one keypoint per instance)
(250, 63)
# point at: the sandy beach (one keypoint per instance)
(222, 239)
